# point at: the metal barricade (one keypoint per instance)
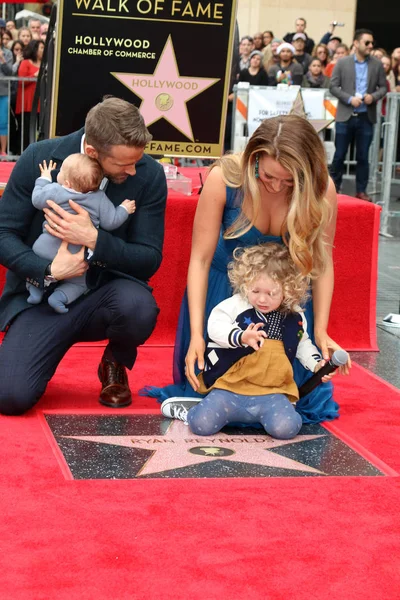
(240, 127)
(375, 152)
(383, 173)
(389, 167)
(17, 138)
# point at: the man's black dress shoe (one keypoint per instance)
(115, 390)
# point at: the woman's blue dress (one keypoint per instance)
(315, 407)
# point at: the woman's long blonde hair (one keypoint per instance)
(294, 143)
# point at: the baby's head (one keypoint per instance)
(267, 277)
(80, 173)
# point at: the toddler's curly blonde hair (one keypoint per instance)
(274, 261)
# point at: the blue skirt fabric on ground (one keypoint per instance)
(315, 407)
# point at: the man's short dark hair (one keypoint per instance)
(360, 32)
(115, 122)
(247, 37)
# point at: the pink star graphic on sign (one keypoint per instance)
(165, 93)
(179, 448)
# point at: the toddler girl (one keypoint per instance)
(253, 338)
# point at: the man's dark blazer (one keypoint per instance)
(133, 251)
(343, 86)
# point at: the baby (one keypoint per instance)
(79, 179)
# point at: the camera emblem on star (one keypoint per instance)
(164, 101)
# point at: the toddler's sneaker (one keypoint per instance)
(178, 408)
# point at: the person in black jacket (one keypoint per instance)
(119, 306)
(255, 74)
(302, 57)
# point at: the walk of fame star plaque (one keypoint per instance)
(140, 446)
(298, 109)
(171, 59)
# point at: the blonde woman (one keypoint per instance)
(24, 35)
(278, 190)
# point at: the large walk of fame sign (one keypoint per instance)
(171, 58)
(140, 446)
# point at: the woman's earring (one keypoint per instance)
(256, 168)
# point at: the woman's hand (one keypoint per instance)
(75, 229)
(66, 265)
(328, 347)
(195, 354)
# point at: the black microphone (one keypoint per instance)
(338, 359)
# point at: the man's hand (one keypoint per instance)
(45, 171)
(356, 102)
(75, 229)
(253, 337)
(368, 99)
(66, 265)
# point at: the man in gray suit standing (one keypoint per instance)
(358, 81)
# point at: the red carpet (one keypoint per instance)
(281, 538)
(203, 539)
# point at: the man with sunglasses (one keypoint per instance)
(358, 81)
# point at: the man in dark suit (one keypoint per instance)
(119, 306)
(358, 81)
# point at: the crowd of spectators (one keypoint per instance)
(21, 52)
(296, 59)
(264, 59)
